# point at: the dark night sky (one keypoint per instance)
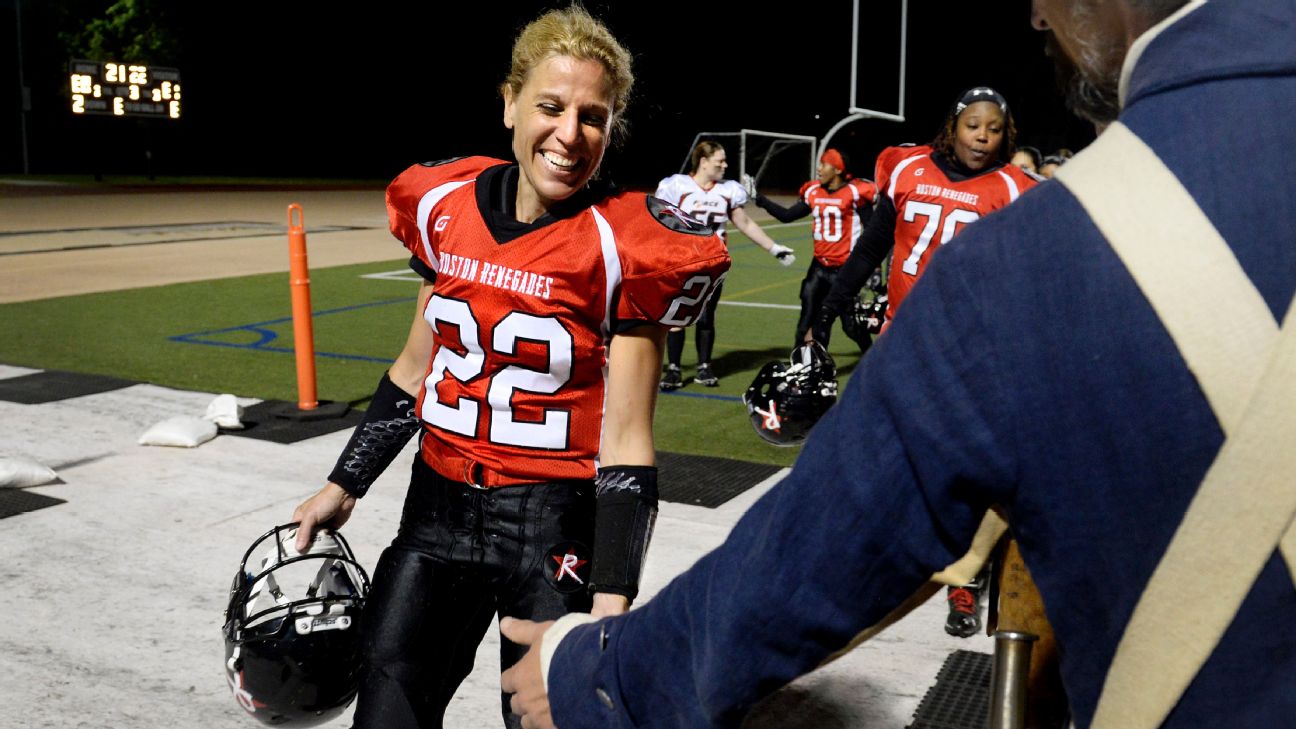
(294, 89)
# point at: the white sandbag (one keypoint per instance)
(225, 412)
(182, 431)
(19, 472)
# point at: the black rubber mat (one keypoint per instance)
(961, 697)
(18, 501)
(53, 385)
(706, 480)
(275, 421)
(699, 480)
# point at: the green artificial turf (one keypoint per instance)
(235, 335)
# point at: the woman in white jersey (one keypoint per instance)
(705, 194)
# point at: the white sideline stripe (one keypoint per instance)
(400, 274)
(756, 305)
(786, 225)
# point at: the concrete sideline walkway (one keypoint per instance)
(114, 600)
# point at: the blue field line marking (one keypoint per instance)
(267, 335)
(282, 350)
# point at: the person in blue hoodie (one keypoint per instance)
(1121, 394)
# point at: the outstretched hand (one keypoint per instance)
(330, 507)
(783, 254)
(525, 680)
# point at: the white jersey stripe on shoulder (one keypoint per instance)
(856, 225)
(426, 203)
(1013, 191)
(895, 174)
(611, 267)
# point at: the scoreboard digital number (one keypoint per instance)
(124, 89)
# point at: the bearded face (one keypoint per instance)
(1087, 61)
(1088, 96)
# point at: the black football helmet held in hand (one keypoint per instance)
(786, 400)
(292, 628)
(865, 317)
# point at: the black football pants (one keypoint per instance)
(463, 554)
(815, 286)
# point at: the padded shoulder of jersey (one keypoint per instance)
(438, 163)
(672, 180)
(639, 210)
(408, 189)
(866, 188)
(662, 249)
(672, 188)
(424, 176)
(1025, 180)
(729, 187)
(888, 158)
(805, 188)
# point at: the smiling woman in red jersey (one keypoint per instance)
(530, 375)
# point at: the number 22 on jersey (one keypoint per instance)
(551, 431)
(933, 214)
(685, 307)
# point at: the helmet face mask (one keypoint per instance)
(866, 316)
(292, 628)
(785, 401)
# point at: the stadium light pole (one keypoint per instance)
(22, 88)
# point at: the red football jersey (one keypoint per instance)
(837, 223)
(515, 388)
(931, 208)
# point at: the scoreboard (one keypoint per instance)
(124, 89)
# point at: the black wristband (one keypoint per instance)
(625, 510)
(387, 425)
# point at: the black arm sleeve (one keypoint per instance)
(388, 424)
(784, 215)
(872, 248)
(625, 509)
